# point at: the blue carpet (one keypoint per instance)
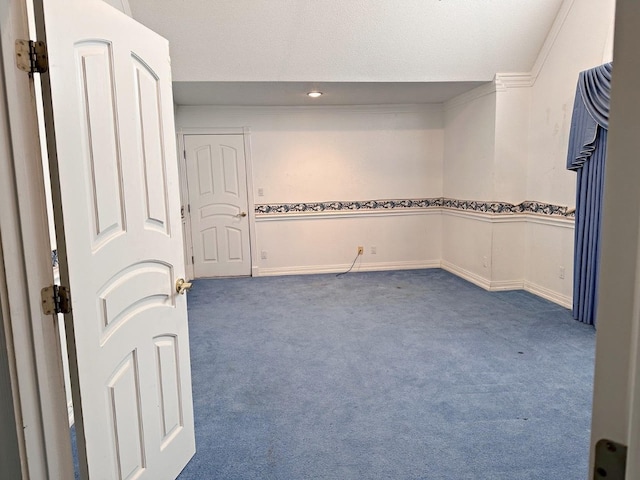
(386, 375)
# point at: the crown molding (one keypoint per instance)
(505, 81)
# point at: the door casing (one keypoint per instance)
(32, 339)
(616, 399)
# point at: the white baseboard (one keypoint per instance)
(492, 286)
(548, 294)
(502, 285)
(364, 267)
(466, 274)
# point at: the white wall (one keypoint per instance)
(508, 143)
(469, 157)
(328, 243)
(583, 41)
(507, 254)
(305, 155)
(466, 246)
(469, 150)
(549, 258)
(485, 160)
(335, 153)
(511, 141)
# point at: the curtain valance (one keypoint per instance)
(590, 112)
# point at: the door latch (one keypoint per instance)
(182, 286)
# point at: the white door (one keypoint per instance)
(216, 175)
(118, 216)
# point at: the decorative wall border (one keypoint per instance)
(316, 207)
(538, 208)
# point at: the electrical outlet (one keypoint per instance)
(263, 254)
(374, 250)
(485, 261)
(561, 273)
(360, 250)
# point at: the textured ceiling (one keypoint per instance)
(348, 40)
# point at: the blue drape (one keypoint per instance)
(587, 152)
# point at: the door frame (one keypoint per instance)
(34, 365)
(616, 394)
(184, 190)
(32, 340)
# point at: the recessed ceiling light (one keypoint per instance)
(314, 94)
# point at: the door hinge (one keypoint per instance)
(56, 299)
(189, 208)
(192, 260)
(610, 460)
(31, 57)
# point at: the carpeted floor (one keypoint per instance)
(386, 375)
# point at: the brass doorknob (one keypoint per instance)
(242, 214)
(182, 286)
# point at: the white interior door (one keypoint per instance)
(111, 127)
(216, 175)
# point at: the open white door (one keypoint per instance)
(111, 139)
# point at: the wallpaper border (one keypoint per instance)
(528, 206)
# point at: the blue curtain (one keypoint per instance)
(587, 153)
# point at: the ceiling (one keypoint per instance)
(267, 52)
